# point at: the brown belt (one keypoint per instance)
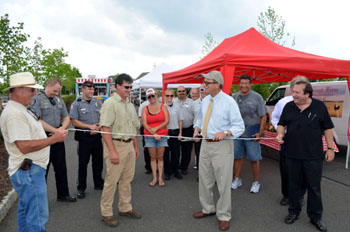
(211, 140)
(124, 141)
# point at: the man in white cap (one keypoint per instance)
(220, 121)
(28, 148)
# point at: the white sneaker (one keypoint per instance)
(255, 187)
(236, 183)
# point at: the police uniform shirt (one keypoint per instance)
(86, 112)
(50, 113)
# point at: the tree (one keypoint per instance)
(43, 63)
(271, 25)
(12, 50)
(209, 44)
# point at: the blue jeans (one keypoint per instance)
(33, 210)
(252, 148)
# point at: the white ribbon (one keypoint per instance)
(167, 136)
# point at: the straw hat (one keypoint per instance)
(24, 79)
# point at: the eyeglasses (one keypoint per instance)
(150, 96)
(33, 113)
(181, 91)
(208, 83)
(169, 95)
(127, 86)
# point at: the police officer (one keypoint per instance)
(53, 113)
(85, 114)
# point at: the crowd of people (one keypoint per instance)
(218, 127)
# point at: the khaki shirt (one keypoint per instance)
(120, 117)
(17, 124)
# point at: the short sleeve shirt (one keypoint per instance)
(53, 114)
(303, 139)
(175, 116)
(86, 112)
(187, 110)
(252, 108)
(17, 124)
(120, 117)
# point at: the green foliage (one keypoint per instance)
(44, 64)
(271, 25)
(12, 59)
(262, 89)
(209, 45)
(68, 100)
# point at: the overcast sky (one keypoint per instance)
(105, 37)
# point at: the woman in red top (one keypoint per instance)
(155, 118)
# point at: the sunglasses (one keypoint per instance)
(150, 96)
(169, 95)
(209, 83)
(181, 91)
(89, 86)
(127, 86)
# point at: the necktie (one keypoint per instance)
(206, 118)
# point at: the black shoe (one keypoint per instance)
(178, 175)
(148, 171)
(290, 218)
(319, 225)
(184, 172)
(166, 176)
(99, 187)
(284, 201)
(67, 199)
(81, 194)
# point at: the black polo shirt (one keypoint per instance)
(303, 139)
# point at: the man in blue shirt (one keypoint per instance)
(220, 121)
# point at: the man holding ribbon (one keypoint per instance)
(119, 124)
(220, 121)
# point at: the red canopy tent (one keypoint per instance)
(265, 61)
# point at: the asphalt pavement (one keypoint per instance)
(170, 208)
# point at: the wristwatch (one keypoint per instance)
(331, 148)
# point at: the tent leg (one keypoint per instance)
(347, 157)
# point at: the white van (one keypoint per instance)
(334, 94)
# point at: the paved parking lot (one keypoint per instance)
(171, 208)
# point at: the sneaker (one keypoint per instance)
(255, 187)
(236, 183)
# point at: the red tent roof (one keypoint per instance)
(265, 61)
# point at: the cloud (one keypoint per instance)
(104, 37)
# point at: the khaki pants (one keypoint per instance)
(216, 165)
(122, 173)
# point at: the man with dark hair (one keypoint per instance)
(54, 115)
(85, 114)
(119, 122)
(253, 111)
(306, 119)
(27, 145)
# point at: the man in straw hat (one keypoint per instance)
(220, 121)
(28, 148)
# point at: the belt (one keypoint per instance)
(211, 140)
(124, 141)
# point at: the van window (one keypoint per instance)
(277, 95)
